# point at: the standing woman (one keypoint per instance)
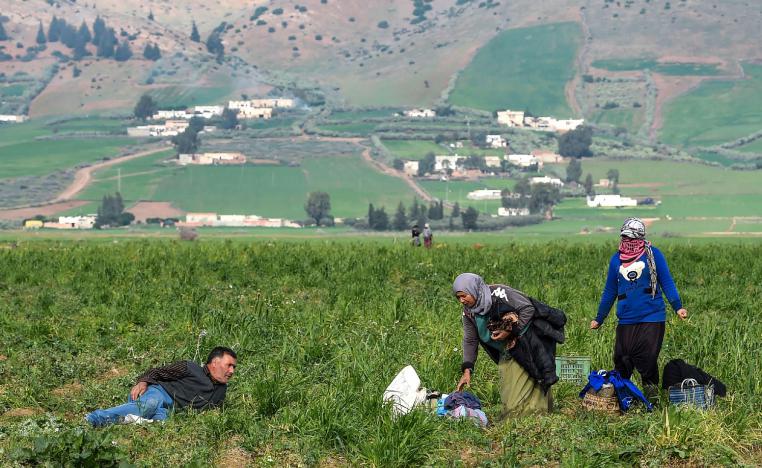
(637, 277)
(519, 392)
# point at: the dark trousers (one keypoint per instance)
(637, 346)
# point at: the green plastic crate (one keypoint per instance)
(573, 368)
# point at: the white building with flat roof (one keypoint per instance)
(523, 160)
(555, 181)
(511, 118)
(13, 118)
(442, 163)
(420, 113)
(492, 161)
(171, 114)
(502, 211)
(410, 168)
(496, 141)
(610, 201)
(484, 194)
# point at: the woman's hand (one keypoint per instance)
(464, 380)
(683, 314)
(594, 325)
(499, 335)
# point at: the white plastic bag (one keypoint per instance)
(404, 392)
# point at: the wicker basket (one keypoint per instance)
(594, 401)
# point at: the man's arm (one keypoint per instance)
(609, 295)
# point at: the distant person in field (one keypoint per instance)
(183, 384)
(638, 276)
(525, 355)
(416, 233)
(428, 236)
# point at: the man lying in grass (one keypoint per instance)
(179, 385)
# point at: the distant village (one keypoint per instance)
(176, 121)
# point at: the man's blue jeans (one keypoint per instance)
(154, 404)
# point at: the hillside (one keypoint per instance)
(363, 53)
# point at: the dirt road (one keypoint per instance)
(83, 176)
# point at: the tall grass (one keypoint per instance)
(322, 328)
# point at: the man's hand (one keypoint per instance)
(465, 380)
(683, 314)
(139, 389)
(499, 335)
(594, 325)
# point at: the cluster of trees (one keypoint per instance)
(539, 198)
(145, 108)
(102, 37)
(152, 52)
(576, 143)
(214, 42)
(187, 141)
(318, 207)
(3, 34)
(111, 212)
(404, 218)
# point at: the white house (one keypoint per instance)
(410, 168)
(78, 222)
(492, 161)
(234, 220)
(496, 141)
(261, 103)
(546, 180)
(547, 156)
(206, 159)
(511, 118)
(610, 201)
(208, 112)
(569, 124)
(512, 211)
(171, 114)
(13, 118)
(523, 160)
(442, 163)
(484, 194)
(255, 113)
(169, 128)
(420, 113)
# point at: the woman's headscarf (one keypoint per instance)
(632, 245)
(474, 285)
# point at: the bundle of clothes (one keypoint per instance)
(536, 350)
(459, 405)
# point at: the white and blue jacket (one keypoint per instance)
(630, 286)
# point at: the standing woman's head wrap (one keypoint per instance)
(474, 285)
(632, 245)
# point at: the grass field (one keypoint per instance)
(665, 68)
(631, 119)
(357, 128)
(753, 147)
(23, 153)
(322, 328)
(716, 112)
(41, 157)
(273, 191)
(508, 72)
(413, 149)
(360, 114)
(457, 191)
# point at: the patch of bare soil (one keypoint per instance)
(68, 390)
(45, 210)
(22, 412)
(113, 373)
(234, 456)
(144, 210)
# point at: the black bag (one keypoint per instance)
(677, 370)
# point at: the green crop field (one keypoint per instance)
(41, 157)
(13, 90)
(322, 328)
(274, 191)
(360, 114)
(665, 68)
(716, 112)
(359, 128)
(508, 72)
(631, 119)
